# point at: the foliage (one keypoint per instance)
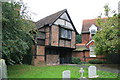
(107, 39)
(113, 59)
(96, 61)
(76, 60)
(16, 36)
(78, 39)
(107, 9)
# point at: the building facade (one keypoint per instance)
(85, 50)
(55, 40)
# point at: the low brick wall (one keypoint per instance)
(80, 54)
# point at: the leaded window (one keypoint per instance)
(69, 34)
(66, 34)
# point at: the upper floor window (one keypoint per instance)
(93, 31)
(66, 34)
(41, 35)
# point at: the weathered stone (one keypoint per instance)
(66, 75)
(92, 72)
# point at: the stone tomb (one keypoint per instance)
(92, 72)
(66, 75)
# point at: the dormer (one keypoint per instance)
(92, 30)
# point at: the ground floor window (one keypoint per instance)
(92, 52)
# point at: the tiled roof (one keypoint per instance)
(80, 44)
(87, 23)
(81, 47)
(52, 18)
(49, 19)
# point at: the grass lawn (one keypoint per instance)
(29, 71)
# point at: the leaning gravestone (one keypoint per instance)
(3, 69)
(92, 72)
(66, 75)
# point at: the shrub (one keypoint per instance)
(96, 61)
(83, 62)
(75, 60)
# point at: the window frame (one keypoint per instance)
(67, 34)
(92, 51)
(93, 31)
(41, 35)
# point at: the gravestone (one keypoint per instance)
(0, 72)
(66, 75)
(81, 71)
(3, 69)
(92, 72)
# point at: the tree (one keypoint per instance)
(78, 39)
(107, 10)
(16, 36)
(107, 40)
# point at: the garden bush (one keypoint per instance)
(82, 62)
(75, 60)
(96, 61)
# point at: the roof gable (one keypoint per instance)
(93, 27)
(65, 16)
(90, 42)
(52, 18)
(64, 21)
(49, 19)
(81, 47)
(87, 24)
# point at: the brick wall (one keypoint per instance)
(92, 43)
(87, 55)
(67, 43)
(54, 35)
(77, 54)
(85, 38)
(62, 43)
(56, 41)
(40, 50)
(39, 61)
(40, 56)
(52, 59)
(73, 41)
(47, 37)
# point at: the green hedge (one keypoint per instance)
(96, 61)
(75, 60)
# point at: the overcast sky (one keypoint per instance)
(77, 9)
